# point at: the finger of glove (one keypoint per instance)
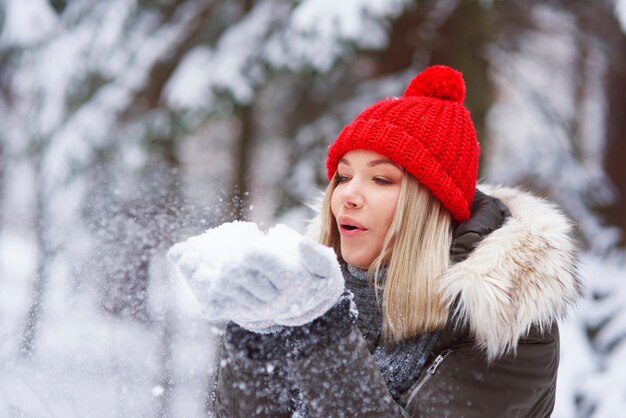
(199, 288)
(221, 306)
(271, 267)
(306, 313)
(239, 292)
(188, 263)
(294, 320)
(315, 261)
(176, 252)
(252, 279)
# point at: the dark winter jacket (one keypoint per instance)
(498, 356)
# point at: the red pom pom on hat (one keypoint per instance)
(427, 131)
(439, 82)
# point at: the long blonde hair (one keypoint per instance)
(416, 251)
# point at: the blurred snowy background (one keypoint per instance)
(127, 125)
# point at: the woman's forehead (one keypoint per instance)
(367, 157)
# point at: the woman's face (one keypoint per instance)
(363, 204)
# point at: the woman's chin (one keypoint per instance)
(357, 261)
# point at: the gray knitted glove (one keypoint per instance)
(281, 278)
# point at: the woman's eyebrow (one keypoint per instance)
(382, 161)
(372, 163)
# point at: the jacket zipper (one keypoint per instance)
(429, 374)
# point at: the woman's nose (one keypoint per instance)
(351, 195)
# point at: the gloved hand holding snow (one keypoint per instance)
(259, 280)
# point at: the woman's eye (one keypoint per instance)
(342, 179)
(382, 180)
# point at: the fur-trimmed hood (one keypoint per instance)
(521, 275)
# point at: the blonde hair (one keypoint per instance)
(416, 251)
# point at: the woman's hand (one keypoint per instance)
(262, 287)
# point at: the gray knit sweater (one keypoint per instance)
(401, 363)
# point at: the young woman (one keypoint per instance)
(451, 294)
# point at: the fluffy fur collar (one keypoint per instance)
(521, 275)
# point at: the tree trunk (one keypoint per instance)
(167, 365)
(599, 21)
(173, 194)
(462, 43)
(615, 150)
(242, 157)
(40, 282)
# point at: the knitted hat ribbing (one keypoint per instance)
(427, 131)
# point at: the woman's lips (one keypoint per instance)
(348, 227)
(351, 232)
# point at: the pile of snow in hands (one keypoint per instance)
(300, 269)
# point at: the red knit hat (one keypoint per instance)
(427, 131)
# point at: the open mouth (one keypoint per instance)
(349, 226)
